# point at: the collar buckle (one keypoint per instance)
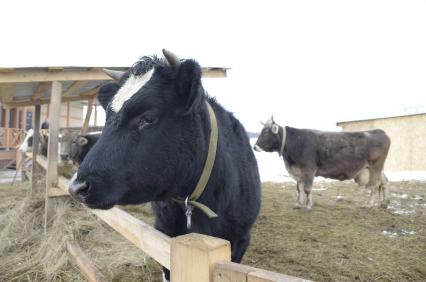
(189, 208)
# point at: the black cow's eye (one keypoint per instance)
(145, 121)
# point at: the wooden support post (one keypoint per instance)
(87, 117)
(95, 124)
(52, 151)
(68, 114)
(36, 142)
(193, 257)
(15, 118)
(6, 128)
(86, 266)
(24, 118)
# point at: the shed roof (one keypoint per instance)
(370, 119)
(31, 85)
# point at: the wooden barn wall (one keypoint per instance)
(408, 140)
(75, 116)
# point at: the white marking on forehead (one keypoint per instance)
(131, 87)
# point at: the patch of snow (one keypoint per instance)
(406, 232)
(406, 175)
(403, 212)
(390, 233)
(319, 189)
(393, 234)
(401, 196)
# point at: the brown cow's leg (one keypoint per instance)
(308, 181)
(373, 184)
(384, 189)
(299, 202)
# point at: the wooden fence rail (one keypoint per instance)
(11, 137)
(190, 258)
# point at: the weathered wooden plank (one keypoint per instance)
(87, 267)
(87, 117)
(41, 89)
(145, 237)
(229, 271)
(6, 92)
(42, 75)
(73, 88)
(26, 103)
(77, 75)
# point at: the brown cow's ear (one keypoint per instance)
(81, 141)
(275, 129)
(189, 87)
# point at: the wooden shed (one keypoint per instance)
(408, 139)
(25, 95)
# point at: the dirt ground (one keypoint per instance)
(338, 241)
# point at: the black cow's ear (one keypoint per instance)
(189, 85)
(106, 92)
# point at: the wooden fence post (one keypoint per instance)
(52, 154)
(6, 128)
(193, 257)
(87, 117)
(36, 142)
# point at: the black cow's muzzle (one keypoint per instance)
(78, 190)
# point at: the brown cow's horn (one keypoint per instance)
(171, 58)
(116, 75)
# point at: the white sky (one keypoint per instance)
(310, 63)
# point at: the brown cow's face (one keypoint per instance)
(268, 140)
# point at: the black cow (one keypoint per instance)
(337, 155)
(81, 145)
(154, 146)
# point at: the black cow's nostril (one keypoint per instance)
(78, 189)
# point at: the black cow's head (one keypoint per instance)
(269, 139)
(150, 145)
(81, 145)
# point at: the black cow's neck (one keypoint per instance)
(194, 172)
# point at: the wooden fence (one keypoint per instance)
(11, 137)
(190, 258)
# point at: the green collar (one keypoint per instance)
(191, 201)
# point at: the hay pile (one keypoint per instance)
(27, 254)
(338, 241)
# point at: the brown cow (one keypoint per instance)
(337, 155)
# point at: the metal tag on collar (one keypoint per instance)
(188, 213)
